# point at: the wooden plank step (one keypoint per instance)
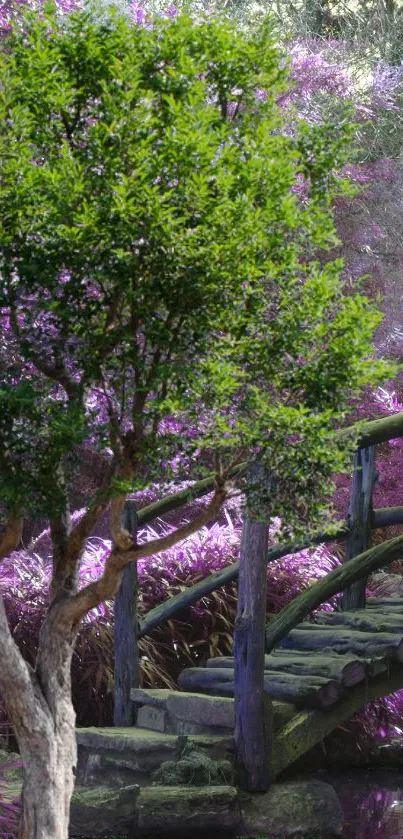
(375, 621)
(344, 640)
(376, 602)
(348, 669)
(303, 691)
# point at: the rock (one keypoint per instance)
(288, 810)
(176, 712)
(183, 713)
(104, 812)
(293, 809)
(182, 809)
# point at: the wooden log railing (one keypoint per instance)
(164, 611)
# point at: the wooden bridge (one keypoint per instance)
(323, 670)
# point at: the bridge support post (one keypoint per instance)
(253, 710)
(360, 520)
(127, 667)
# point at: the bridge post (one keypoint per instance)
(127, 667)
(253, 710)
(360, 520)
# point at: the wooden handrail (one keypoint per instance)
(380, 518)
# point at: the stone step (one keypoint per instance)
(288, 809)
(157, 810)
(177, 712)
(133, 810)
(121, 757)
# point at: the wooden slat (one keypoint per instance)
(391, 603)
(350, 670)
(362, 620)
(301, 691)
(345, 640)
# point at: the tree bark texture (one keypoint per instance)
(253, 716)
(127, 665)
(360, 521)
(40, 708)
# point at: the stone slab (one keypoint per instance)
(296, 808)
(179, 712)
(153, 718)
(119, 757)
(182, 809)
(105, 812)
(211, 711)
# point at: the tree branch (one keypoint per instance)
(64, 579)
(107, 585)
(121, 537)
(56, 372)
(83, 528)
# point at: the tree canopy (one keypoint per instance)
(158, 290)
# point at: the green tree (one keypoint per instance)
(152, 265)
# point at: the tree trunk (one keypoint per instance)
(41, 711)
(49, 773)
(49, 758)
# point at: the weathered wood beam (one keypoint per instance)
(334, 582)
(359, 520)
(374, 621)
(216, 580)
(182, 497)
(127, 664)
(377, 431)
(345, 640)
(394, 604)
(253, 713)
(349, 669)
(387, 517)
(303, 691)
(310, 727)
